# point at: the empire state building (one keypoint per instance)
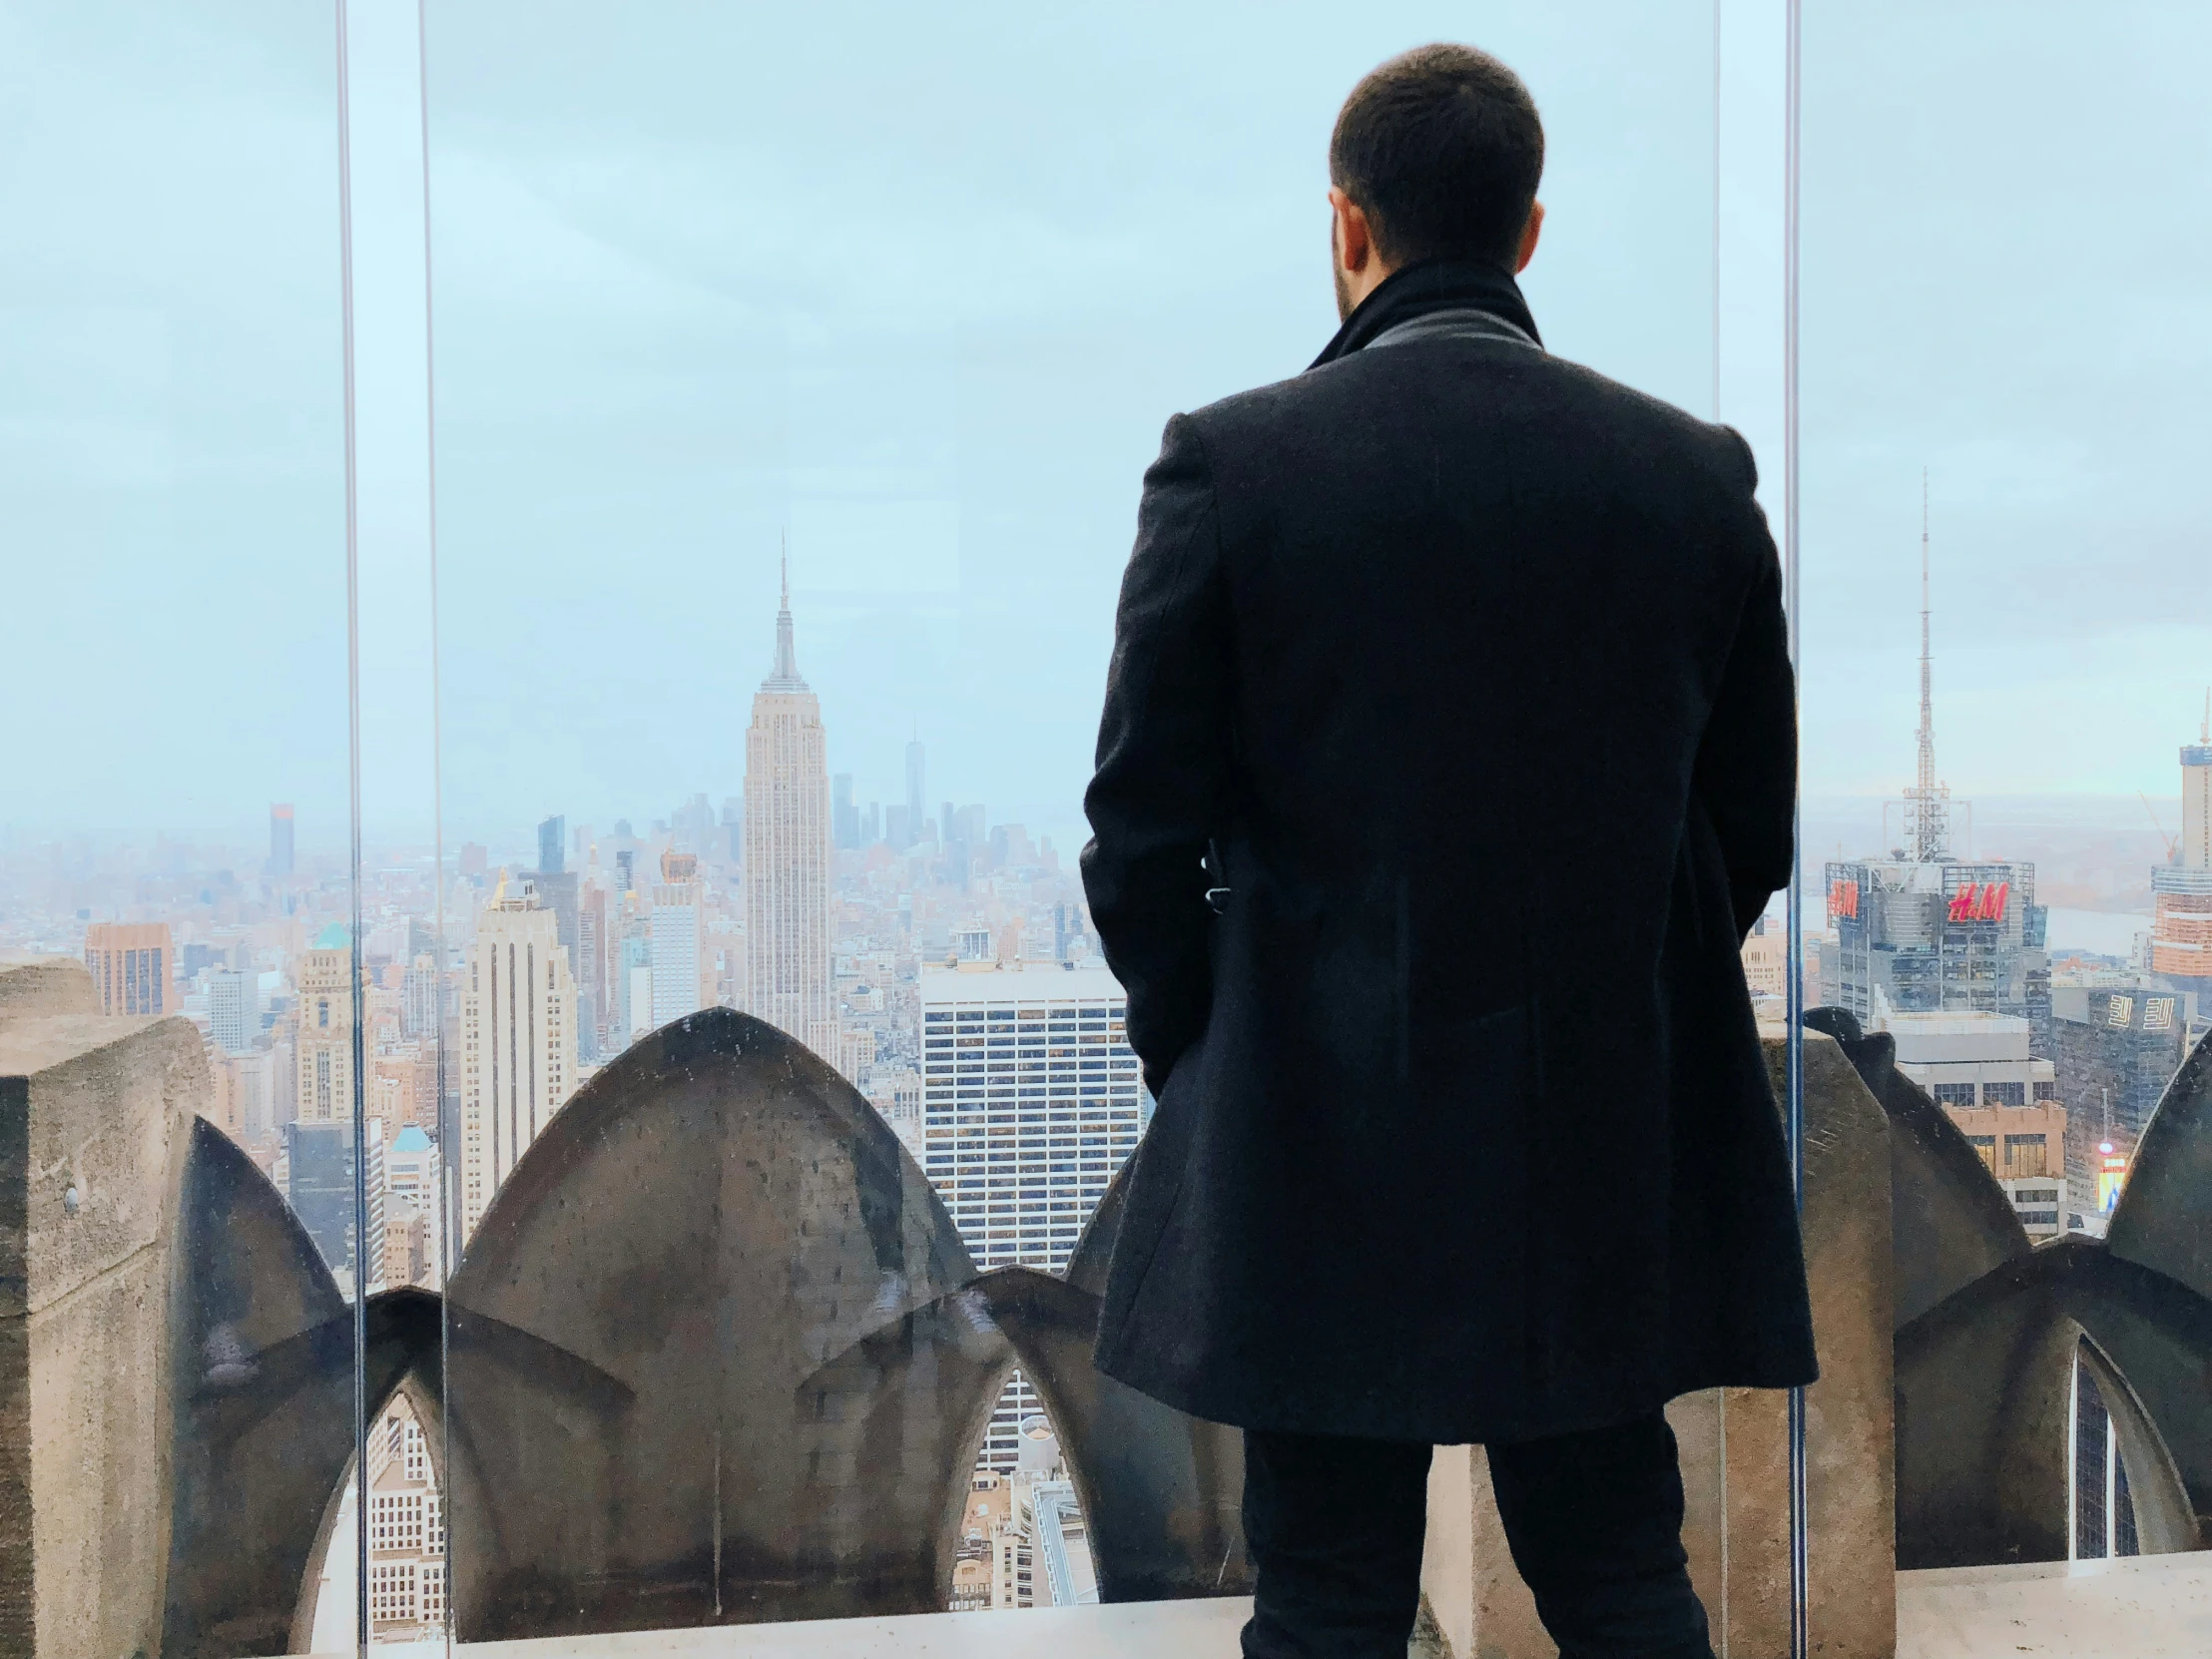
(786, 853)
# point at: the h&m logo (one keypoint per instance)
(1980, 901)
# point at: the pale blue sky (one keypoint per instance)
(919, 288)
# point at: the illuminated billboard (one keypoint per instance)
(2111, 1175)
(1980, 901)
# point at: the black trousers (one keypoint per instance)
(1594, 1522)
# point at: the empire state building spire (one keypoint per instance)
(785, 869)
(785, 675)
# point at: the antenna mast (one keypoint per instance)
(1927, 805)
(784, 677)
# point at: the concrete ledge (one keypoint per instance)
(1127, 1631)
(2139, 1607)
(2144, 1608)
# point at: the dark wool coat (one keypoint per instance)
(1448, 757)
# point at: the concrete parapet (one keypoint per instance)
(45, 985)
(718, 1353)
(94, 1114)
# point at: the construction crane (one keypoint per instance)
(2173, 847)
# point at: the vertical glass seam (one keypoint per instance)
(1719, 1396)
(449, 1139)
(1794, 942)
(358, 1046)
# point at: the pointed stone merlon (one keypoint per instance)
(94, 1118)
(1735, 1444)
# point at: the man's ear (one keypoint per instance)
(1530, 234)
(1353, 242)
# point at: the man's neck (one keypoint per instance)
(1354, 287)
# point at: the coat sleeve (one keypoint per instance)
(1163, 755)
(1746, 771)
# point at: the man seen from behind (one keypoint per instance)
(1448, 757)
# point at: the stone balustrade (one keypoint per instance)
(717, 1354)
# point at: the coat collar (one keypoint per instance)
(1431, 285)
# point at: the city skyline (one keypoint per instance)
(414, 746)
(953, 982)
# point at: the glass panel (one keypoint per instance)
(796, 374)
(2005, 660)
(176, 819)
(406, 1003)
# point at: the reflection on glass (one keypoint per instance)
(175, 812)
(2012, 870)
(782, 510)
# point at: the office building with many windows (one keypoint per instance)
(233, 1011)
(406, 1531)
(518, 1041)
(323, 1039)
(1977, 1068)
(1936, 936)
(1031, 1101)
(2116, 1050)
(677, 925)
(130, 965)
(319, 1185)
(2181, 888)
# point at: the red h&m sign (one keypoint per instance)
(1842, 901)
(1980, 901)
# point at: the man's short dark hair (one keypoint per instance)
(1442, 147)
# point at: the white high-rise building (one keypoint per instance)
(244, 1095)
(787, 855)
(233, 1011)
(406, 1531)
(676, 924)
(1031, 1101)
(518, 1041)
(418, 998)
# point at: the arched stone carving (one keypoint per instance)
(2164, 1216)
(1949, 1223)
(261, 1376)
(716, 1333)
(2161, 1342)
(770, 1381)
(1988, 1330)
(1161, 1492)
